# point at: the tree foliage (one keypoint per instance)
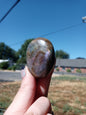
(22, 51)
(8, 53)
(4, 65)
(61, 54)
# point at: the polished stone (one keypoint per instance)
(40, 57)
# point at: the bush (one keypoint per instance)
(57, 69)
(16, 67)
(4, 65)
(9, 68)
(78, 71)
(68, 70)
(20, 66)
(12, 67)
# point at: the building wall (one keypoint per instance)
(83, 70)
(73, 70)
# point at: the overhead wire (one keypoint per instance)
(62, 29)
(50, 33)
(9, 10)
(43, 35)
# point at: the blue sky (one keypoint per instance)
(34, 18)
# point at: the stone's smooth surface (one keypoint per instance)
(40, 57)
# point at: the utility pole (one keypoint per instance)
(84, 19)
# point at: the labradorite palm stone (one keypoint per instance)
(40, 57)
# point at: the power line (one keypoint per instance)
(43, 35)
(9, 10)
(60, 30)
(50, 33)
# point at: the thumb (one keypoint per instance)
(41, 106)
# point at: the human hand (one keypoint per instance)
(31, 99)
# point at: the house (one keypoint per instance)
(1, 60)
(6, 60)
(74, 65)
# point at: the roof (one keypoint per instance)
(80, 63)
(1, 60)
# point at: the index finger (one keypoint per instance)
(24, 97)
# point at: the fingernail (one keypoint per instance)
(23, 73)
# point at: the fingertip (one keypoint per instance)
(28, 80)
(23, 73)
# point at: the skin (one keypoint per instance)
(31, 99)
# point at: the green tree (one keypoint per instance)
(8, 53)
(4, 65)
(61, 54)
(22, 51)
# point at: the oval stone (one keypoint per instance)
(40, 57)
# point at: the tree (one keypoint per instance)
(4, 65)
(8, 53)
(22, 51)
(61, 54)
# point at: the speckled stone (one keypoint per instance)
(40, 57)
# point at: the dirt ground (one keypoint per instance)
(67, 96)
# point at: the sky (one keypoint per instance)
(60, 21)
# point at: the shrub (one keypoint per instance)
(68, 70)
(57, 69)
(9, 68)
(12, 67)
(16, 67)
(4, 65)
(78, 71)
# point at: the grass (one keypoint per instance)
(66, 93)
(67, 108)
(70, 78)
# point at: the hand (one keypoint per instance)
(31, 99)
